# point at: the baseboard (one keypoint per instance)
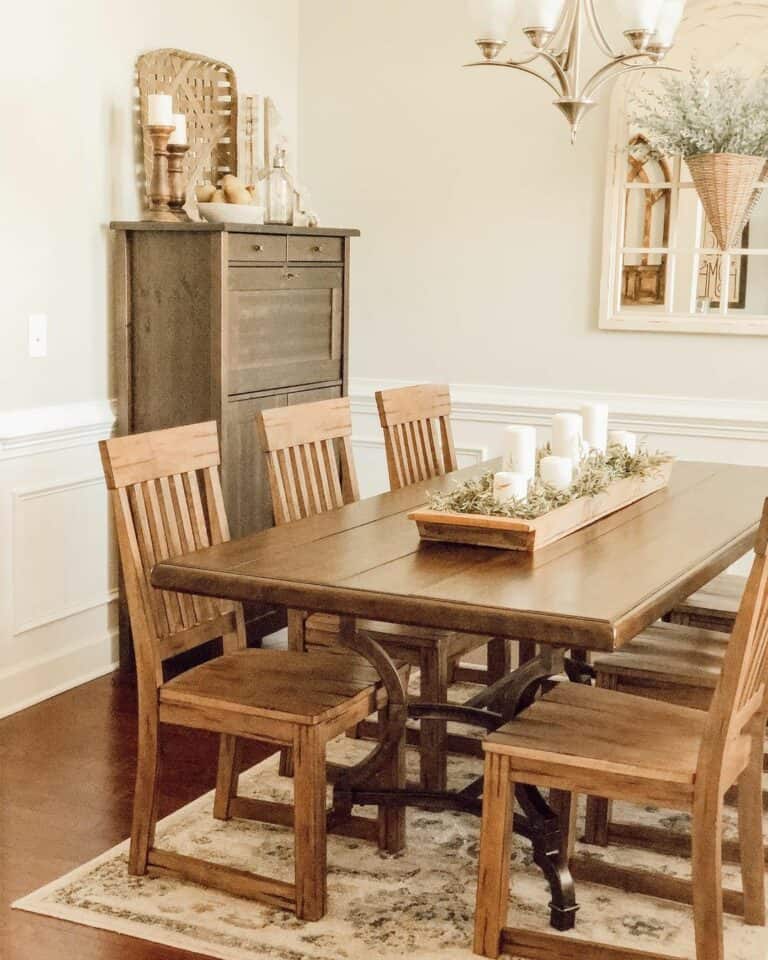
(33, 681)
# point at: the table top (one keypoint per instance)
(595, 589)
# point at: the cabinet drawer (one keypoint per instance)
(284, 327)
(256, 247)
(315, 249)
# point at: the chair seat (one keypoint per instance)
(304, 688)
(577, 731)
(714, 606)
(684, 656)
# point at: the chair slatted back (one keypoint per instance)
(742, 693)
(167, 500)
(417, 433)
(308, 448)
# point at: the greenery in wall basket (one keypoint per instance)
(596, 473)
(722, 111)
(718, 122)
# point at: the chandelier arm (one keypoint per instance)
(564, 28)
(618, 68)
(515, 66)
(598, 32)
(560, 72)
(572, 54)
(521, 63)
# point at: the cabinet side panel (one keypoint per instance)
(174, 307)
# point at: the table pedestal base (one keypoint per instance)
(490, 709)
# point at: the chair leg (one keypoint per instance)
(309, 812)
(433, 689)
(145, 799)
(598, 818)
(707, 837)
(227, 776)
(751, 836)
(565, 806)
(392, 819)
(499, 656)
(599, 810)
(495, 849)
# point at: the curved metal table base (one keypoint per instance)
(362, 785)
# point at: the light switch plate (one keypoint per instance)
(38, 335)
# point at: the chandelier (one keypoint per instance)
(556, 30)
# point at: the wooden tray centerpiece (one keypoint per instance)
(604, 484)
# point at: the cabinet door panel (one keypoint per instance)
(285, 327)
(244, 472)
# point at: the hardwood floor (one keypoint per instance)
(66, 790)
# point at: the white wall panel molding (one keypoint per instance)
(57, 564)
(660, 415)
(61, 562)
(48, 429)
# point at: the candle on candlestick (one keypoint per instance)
(567, 436)
(510, 486)
(624, 438)
(595, 418)
(520, 451)
(556, 472)
(160, 110)
(179, 135)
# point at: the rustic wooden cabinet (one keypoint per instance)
(216, 322)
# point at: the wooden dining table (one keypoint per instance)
(592, 591)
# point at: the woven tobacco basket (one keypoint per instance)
(206, 91)
(725, 183)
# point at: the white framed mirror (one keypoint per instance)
(661, 269)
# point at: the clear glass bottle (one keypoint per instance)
(279, 191)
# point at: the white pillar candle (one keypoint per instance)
(520, 450)
(556, 472)
(624, 439)
(179, 135)
(595, 418)
(567, 436)
(510, 486)
(160, 110)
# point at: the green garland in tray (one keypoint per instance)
(596, 472)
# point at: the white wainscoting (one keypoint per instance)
(57, 563)
(58, 614)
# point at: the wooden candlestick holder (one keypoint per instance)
(176, 153)
(159, 185)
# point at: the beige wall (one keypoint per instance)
(67, 162)
(481, 248)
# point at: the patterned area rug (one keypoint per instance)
(417, 905)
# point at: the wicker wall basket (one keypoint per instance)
(725, 183)
(206, 91)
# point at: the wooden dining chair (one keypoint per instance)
(677, 664)
(714, 607)
(311, 469)
(167, 500)
(418, 441)
(580, 739)
(418, 438)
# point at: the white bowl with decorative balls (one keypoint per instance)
(231, 212)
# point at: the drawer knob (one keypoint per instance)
(290, 276)
(317, 248)
(258, 247)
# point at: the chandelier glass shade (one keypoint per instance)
(556, 30)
